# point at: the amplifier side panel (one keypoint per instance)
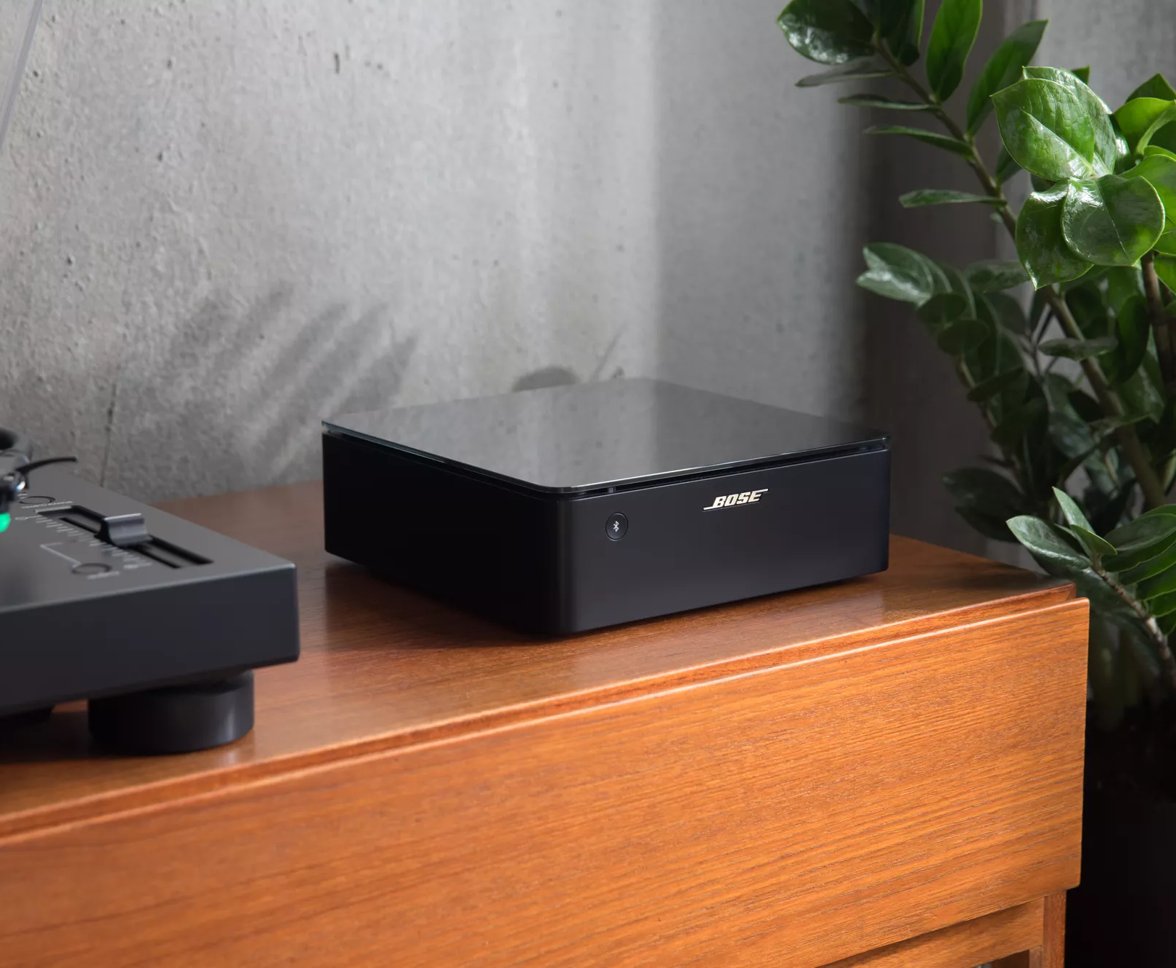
(466, 541)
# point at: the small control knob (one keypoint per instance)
(124, 530)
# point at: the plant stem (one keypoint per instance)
(1133, 451)
(1160, 324)
(1158, 639)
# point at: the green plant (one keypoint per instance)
(1078, 383)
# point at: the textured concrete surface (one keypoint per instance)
(225, 220)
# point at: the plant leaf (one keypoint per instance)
(1160, 172)
(880, 101)
(826, 31)
(855, 70)
(994, 385)
(901, 25)
(1132, 329)
(1159, 130)
(921, 134)
(995, 275)
(960, 336)
(1040, 243)
(1078, 349)
(943, 309)
(900, 273)
(1006, 166)
(1159, 557)
(1165, 266)
(943, 196)
(1112, 221)
(984, 490)
(1048, 129)
(1007, 312)
(1107, 147)
(1072, 513)
(1141, 539)
(1003, 68)
(1137, 115)
(1155, 86)
(1046, 543)
(952, 35)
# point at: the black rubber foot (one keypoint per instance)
(177, 719)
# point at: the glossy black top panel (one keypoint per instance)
(596, 435)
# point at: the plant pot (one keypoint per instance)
(1124, 911)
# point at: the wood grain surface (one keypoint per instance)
(790, 781)
(970, 943)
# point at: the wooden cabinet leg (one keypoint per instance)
(1052, 952)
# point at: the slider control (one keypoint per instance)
(124, 530)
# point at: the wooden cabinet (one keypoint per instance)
(886, 771)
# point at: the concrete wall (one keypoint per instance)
(224, 220)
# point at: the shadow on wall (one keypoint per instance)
(560, 376)
(278, 378)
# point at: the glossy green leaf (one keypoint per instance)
(1165, 266)
(1161, 132)
(927, 137)
(1142, 539)
(900, 273)
(960, 336)
(886, 103)
(1072, 513)
(1078, 349)
(1140, 396)
(995, 275)
(1048, 130)
(1106, 142)
(1152, 561)
(1137, 115)
(943, 196)
(901, 25)
(1159, 170)
(862, 68)
(1166, 243)
(1040, 243)
(1112, 221)
(994, 385)
(1091, 543)
(1006, 166)
(1162, 605)
(826, 31)
(1046, 543)
(1006, 312)
(982, 490)
(1156, 86)
(952, 35)
(1031, 420)
(1132, 331)
(1162, 584)
(942, 309)
(1003, 68)
(1123, 282)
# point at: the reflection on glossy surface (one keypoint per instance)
(599, 434)
(383, 667)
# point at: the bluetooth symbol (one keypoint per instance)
(616, 526)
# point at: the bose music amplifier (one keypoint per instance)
(566, 509)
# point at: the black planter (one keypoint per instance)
(1124, 912)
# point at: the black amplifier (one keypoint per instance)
(566, 509)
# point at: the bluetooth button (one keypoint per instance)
(616, 526)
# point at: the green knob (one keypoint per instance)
(5, 521)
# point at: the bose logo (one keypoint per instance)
(729, 500)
